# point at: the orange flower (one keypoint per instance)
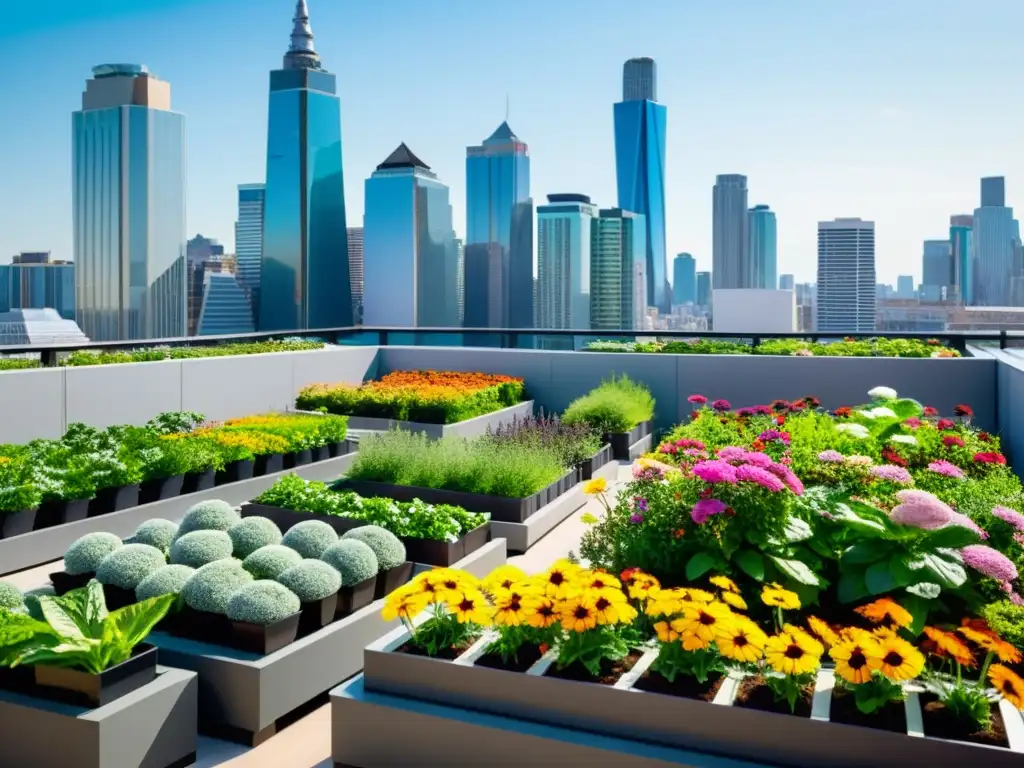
(886, 608)
(992, 643)
(948, 644)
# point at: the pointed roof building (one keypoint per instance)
(402, 157)
(301, 54)
(503, 133)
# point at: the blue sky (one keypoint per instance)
(886, 110)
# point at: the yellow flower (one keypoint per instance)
(740, 641)
(948, 644)
(578, 614)
(508, 608)
(470, 607)
(777, 597)
(404, 605)
(900, 660)
(641, 586)
(806, 639)
(734, 601)
(821, 630)
(663, 602)
(540, 611)
(724, 582)
(691, 595)
(704, 620)
(561, 579)
(503, 577)
(788, 655)
(596, 486)
(689, 639)
(856, 661)
(883, 608)
(610, 607)
(665, 632)
(598, 580)
(445, 583)
(991, 642)
(1008, 683)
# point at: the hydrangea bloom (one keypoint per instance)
(732, 453)
(989, 562)
(892, 474)
(705, 508)
(854, 430)
(912, 423)
(831, 457)
(882, 393)
(788, 476)
(943, 467)
(920, 509)
(989, 457)
(721, 405)
(697, 399)
(749, 473)
(758, 459)
(770, 435)
(905, 439)
(881, 412)
(952, 440)
(715, 471)
(1011, 516)
(695, 452)
(965, 522)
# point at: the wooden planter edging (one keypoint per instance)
(622, 442)
(243, 696)
(152, 727)
(500, 509)
(588, 468)
(469, 428)
(50, 544)
(623, 711)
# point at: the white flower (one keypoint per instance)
(882, 393)
(905, 439)
(867, 414)
(858, 461)
(881, 412)
(854, 430)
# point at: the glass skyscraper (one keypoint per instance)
(704, 289)
(640, 124)
(730, 255)
(128, 192)
(498, 251)
(618, 271)
(961, 240)
(225, 309)
(684, 280)
(304, 274)
(995, 242)
(355, 271)
(936, 269)
(762, 247)
(410, 262)
(249, 238)
(38, 283)
(563, 261)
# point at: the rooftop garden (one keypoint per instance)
(848, 347)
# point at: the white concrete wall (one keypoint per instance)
(754, 310)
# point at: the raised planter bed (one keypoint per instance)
(470, 428)
(83, 689)
(243, 696)
(51, 513)
(588, 468)
(718, 727)
(244, 469)
(108, 500)
(199, 481)
(622, 442)
(153, 726)
(17, 523)
(160, 488)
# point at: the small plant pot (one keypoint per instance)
(63, 582)
(74, 686)
(298, 459)
(160, 488)
(108, 500)
(351, 599)
(199, 481)
(236, 471)
(317, 615)
(17, 523)
(118, 597)
(390, 580)
(338, 449)
(60, 512)
(321, 453)
(622, 441)
(264, 638)
(269, 464)
(200, 626)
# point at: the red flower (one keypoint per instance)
(780, 420)
(893, 458)
(812, 401)
(945, 424)
(628, 575)
(843, 412)
(950, 440)
(962, 410)
(984, 437)
(930, 412)
(758, 445)
(989, 458)
(679, 533)
(797, 406)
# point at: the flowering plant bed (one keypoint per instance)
(848, 347)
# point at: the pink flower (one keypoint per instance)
(721, 405)
(1011, 516)
(891, 473)
(989, 562)
(697, 399)
(912, 423)
(695, 452)
(952, 440)
(920, 509)
(705, 508)
(758, 459)
(944, 424)
(732, 453)
(943, 467)
(715, 471)
(749, 473)
(965, 522)
(1019, 538)
(788, 476)
(831, 457)
(989, 457)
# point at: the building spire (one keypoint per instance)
(301, 54)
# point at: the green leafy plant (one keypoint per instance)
(616, 405)
(198, 548)
(127, 566)
(157, 533)
(84, 357)
(212, 515)
(168, 580)
(210, 587)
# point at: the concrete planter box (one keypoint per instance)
(470, 428)
(152, 727)
(623, 711)
(50, 544)
(243, 696)
(622, 442)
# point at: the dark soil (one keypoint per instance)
(891, 717)
(525, 658)
(684, 686)
(448, 654)
(940, 723)
(754, 694)
(610, 672)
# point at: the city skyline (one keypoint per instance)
(873, 164)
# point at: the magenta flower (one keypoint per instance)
(965, 522)
(788, 476)
(989, 562)
(947, 468)
(732, 453)
(749, 473)
(912, 423)
(697, 399)
(773, 435)
(721, 405)
(891, 473)
(647, 472)
(715, 471)
(758, 459)
(705, 508)
(695, 452)
(831, 457)
(636, 518)
(1011, 516)
(920, 509)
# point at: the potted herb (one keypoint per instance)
(357, 564)
(19, 495)
(113, 467)
(65, 480)
(264, 616)
(316, 584)
(393, 568)
(82, 559)
(620, 409)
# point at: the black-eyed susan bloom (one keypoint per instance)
(886, 608)
(856, 660)
(639, 584)
(704, 620)
(665, 632)
(561, 579)
(734, 601)
(611, 607)
(724, 583)
(405, 604)
(664, 602)
(900, 660)
(503, 577)
(470, 607)
(741, 640)
(1008, 683)
(578, 613)
(599, 580)
(821, 630)
(595, 487)
(540, 611)
(508, 609)
(991, 642)
(789, 655)
(809, 641)
(776, 597)
(691, 595)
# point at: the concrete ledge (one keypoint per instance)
(49, 544)
(151, 727)
(243, 696)
(469, 428)
(644, 445)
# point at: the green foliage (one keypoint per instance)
(353, 559)
(18, 487)
(262, 602)
(210, 587)
(126, 566)
(1007, 620)
(198, 548)
(17, 363)
(87, 552)
(84, 357)
(310, 538)
(157, 533)
(311, 580)
(877, 347)
(11, 597)
(389, 550)
(252, 533)
(212, 515)
(32, 601)
(271, 561)
(616, 405)
(167, 580)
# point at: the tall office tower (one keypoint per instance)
(499, 233)
(762, 247)
(618, 271)
(249, 238)
(961, 240)
(995, 240)
(304, 277)
(355, 271)
(704, 289)
(936, 270)
(460, 276)
(33, 281)
(199, 251)
(225, 308)
(410, 263)
(905, 287)
(787, 282)
(640, 124)
(730, 263)
(846, 276)
(128, 191)
(563, 261)
(684, 280)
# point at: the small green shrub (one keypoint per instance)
(310, 538)
(157, 533)
(252, 533)
(311, 580)
(213, 515)
(198, 548)
(32, 601)
(271, 561)
(11, 597)
(126, 566)
(353, 559)
(1007, 620)
(169, 580)
(616, 405)
(86, 553)
(262, 602)
(386, 546)
(210, 587)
